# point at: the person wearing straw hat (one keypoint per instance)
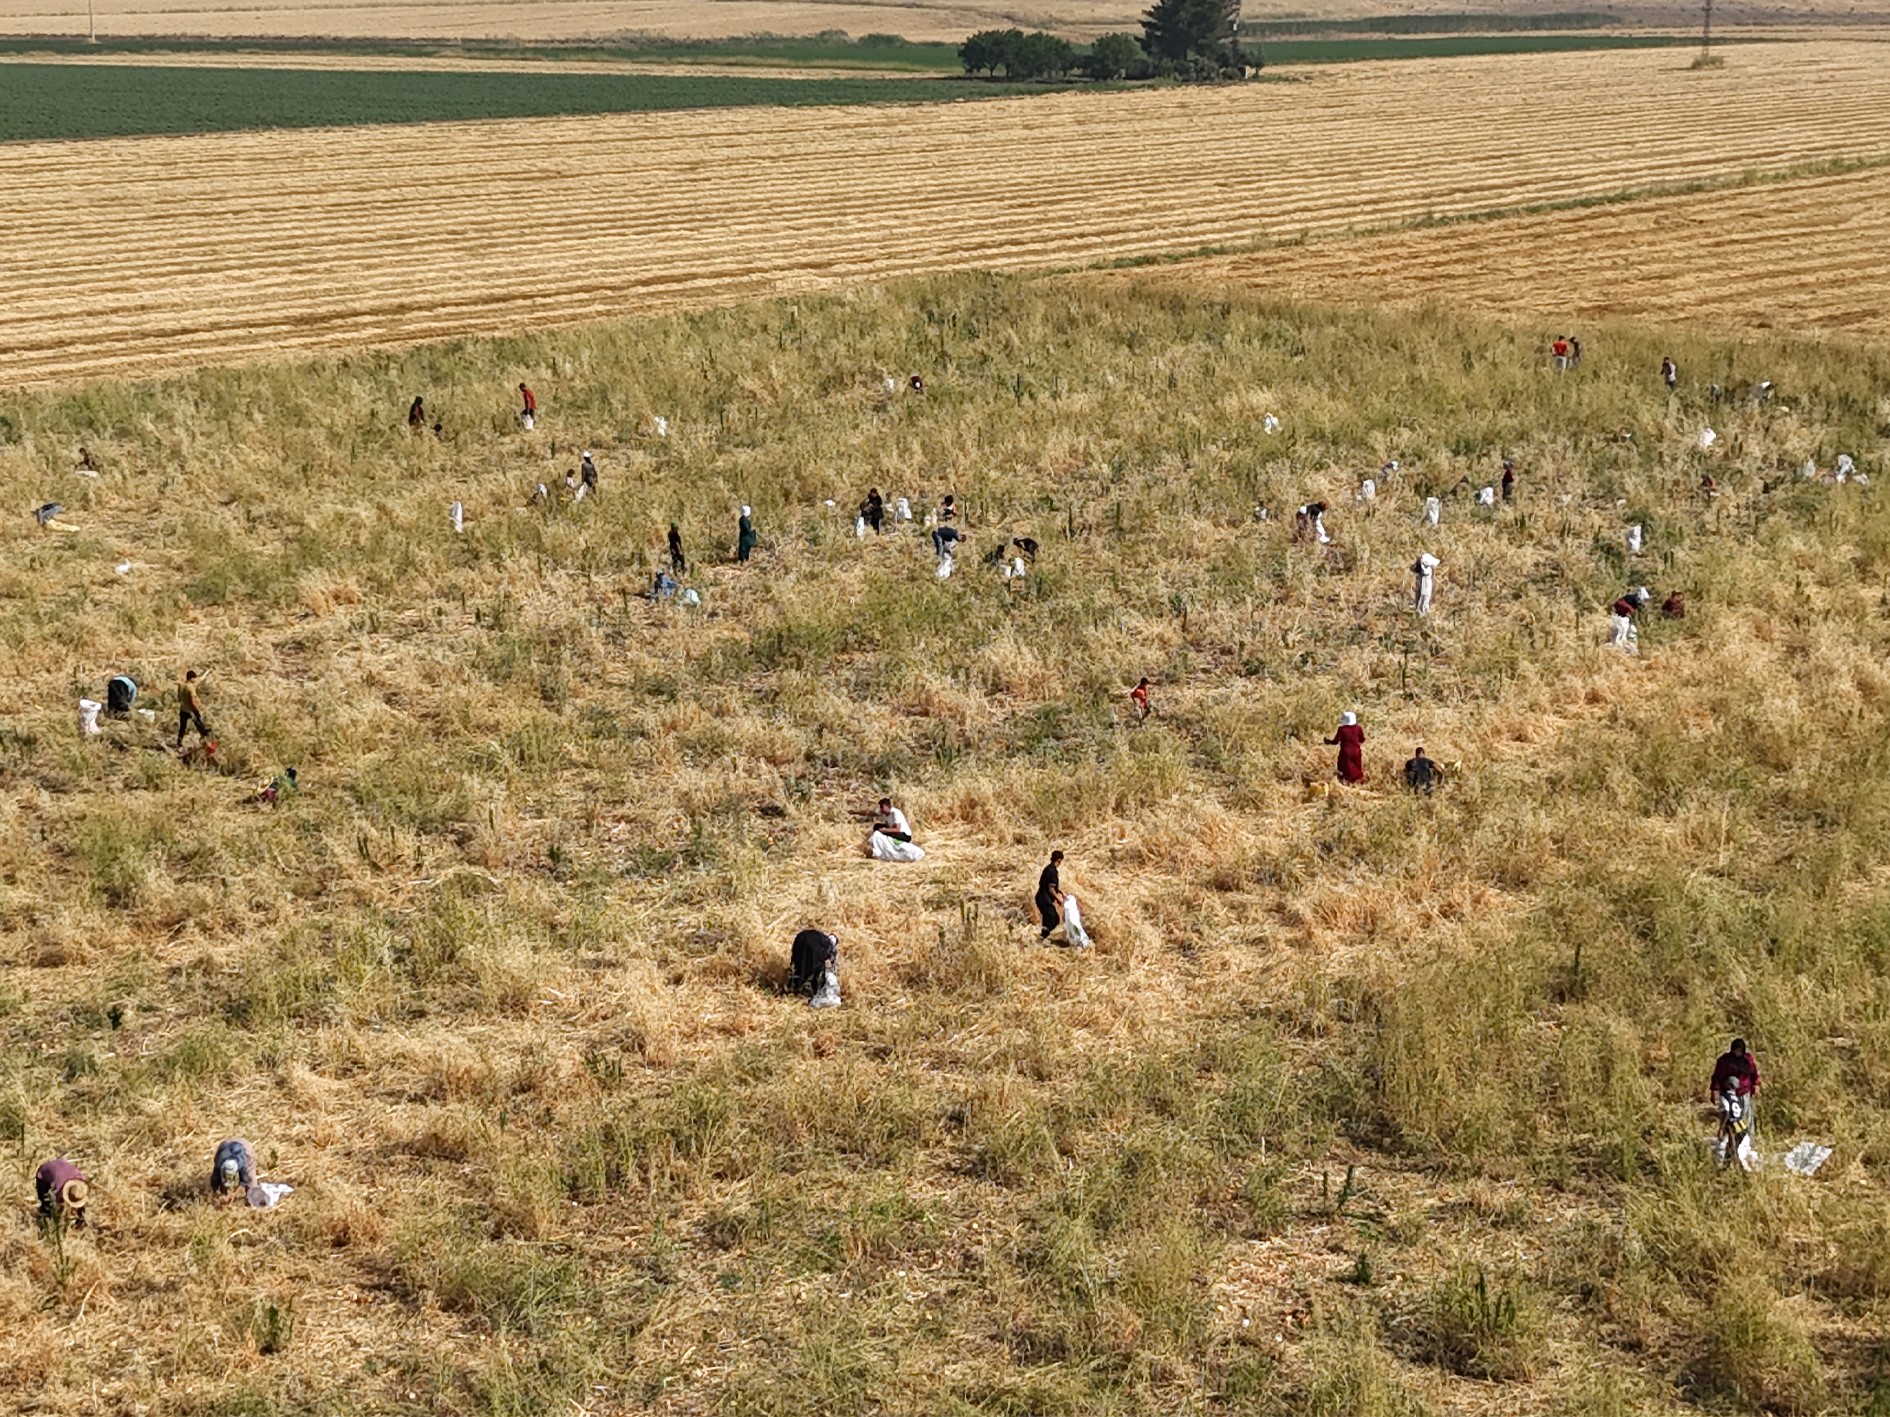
(62, 1189)
(1350, 741)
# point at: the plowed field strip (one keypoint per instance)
(137, 255)
(1807, 254)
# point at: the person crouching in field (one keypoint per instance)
(233, 1170)
(1420, 773)
(1138, 696)
(1622, 634)
(60, 1188)
(813, 968)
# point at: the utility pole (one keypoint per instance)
(1706, 28)
(91, 24)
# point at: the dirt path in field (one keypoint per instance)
(132, 256)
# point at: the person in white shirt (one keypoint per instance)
(892, 822)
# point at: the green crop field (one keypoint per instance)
(41, 101)
(1363, 1104)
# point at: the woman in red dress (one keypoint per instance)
(1350, 740)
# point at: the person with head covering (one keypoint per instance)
(417, 414)
(1420, 773)
(1733, 1091)
(745, 535)
(1050, 895)
(1622, 634)
(1425, 568)
(587, 474)
(233, 1170)
(1509, 479)
(61, 1188)
(812, 959)
(1350, 741)
(676, 561)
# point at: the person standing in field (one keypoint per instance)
(1733, 1091)
(1670, 374)
(1424, 569)
(189, 709)
(873, 511)
(529, 414)
(1558, 352)
(417, 415)
(1049, 895)
(676, 561)
(1350, 741)
(1574, 353)
(745, 534)
(1509, 479)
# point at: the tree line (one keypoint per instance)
(1181, 39)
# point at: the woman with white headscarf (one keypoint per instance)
(1350, 741)
(1425, 568)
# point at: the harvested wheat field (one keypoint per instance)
(542, 21)
(143, 254)
(1360, 1103)
(1807, 254)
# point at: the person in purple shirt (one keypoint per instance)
(61, 1187)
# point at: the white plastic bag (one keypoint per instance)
(458, 514)
(1634, 539)
(944, 568)
(1707, 438)
(88, 716)
(885, 848)
(1486, 497)
(1073, 929)
(1433, 509)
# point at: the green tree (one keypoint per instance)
(1042, 56)
(1182, 30)
(1113, 56)
(987, 51)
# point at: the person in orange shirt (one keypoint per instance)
(1139, 697)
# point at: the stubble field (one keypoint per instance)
(328, 240)
(1361, 1104)
(1796, 255)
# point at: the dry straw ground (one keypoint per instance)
(329, 240)
(1809, 254)
(495, 990)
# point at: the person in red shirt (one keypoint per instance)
(1736, 1070)
(1350, 740)
(1559, 348)
(1139, 697)
(1735, 1073)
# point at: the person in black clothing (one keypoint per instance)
(813, 955)
(948, 510)
(1421, 774)
(1027, 545)
(587, 473)
(1509, 479)
(676, 561)
(1049, 895)
(873, 510)
(945, 540)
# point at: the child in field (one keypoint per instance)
(189, 709)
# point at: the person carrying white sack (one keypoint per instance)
(1425, 569)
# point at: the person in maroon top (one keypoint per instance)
(61, 1188)
(1559, 348)
(1736, 1070)
(1350, 740)
(531, 405)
